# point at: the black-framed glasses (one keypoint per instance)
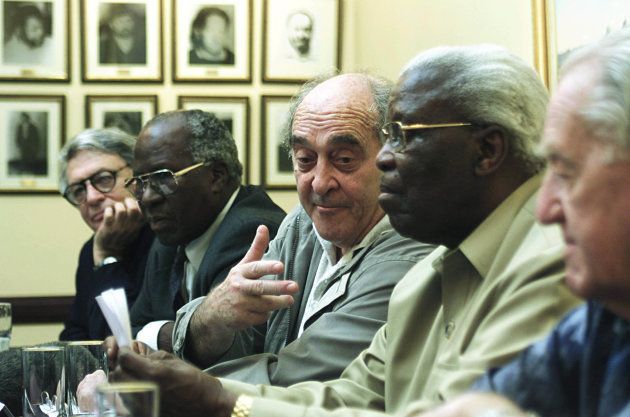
(396, 132)
(162, 181)
(103, 181)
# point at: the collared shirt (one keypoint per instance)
(329, 265)
(582, 369)
(195, 251)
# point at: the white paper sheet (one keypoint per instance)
(113, 304)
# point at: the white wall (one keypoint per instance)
(40, 236)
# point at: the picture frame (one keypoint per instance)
(44, 54)
(301, 39)
(128, 113)
(561, 26)
(212, 40)
(275, 163)
(233, 111)
(121, 40)
(34, 126)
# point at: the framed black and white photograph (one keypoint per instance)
(233, 112)
(121, 40)
(562, 26)
(212, 40)
(127, 113)
(275, 162)
(33, 128)
(301, 39)
(35, 37)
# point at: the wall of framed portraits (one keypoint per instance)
(247, 84)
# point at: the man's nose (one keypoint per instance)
(92, 194)
(549, 208)
(324, 178)
(385, 160)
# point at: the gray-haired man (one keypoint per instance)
(94, 166)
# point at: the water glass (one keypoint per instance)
(43, 381)
(86, 368)
(5, 326)
(128, 399)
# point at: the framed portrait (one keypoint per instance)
(35, 39)
(301, 39)
(212, 40)
(233, 112)
(34, 128)
(127, 113)
(121, 40)
(276, 165)
(561, 26)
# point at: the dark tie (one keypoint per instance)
(177, 278)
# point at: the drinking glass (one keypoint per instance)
(5, 326)
(43, 381)
(86, 367)
(128, 399)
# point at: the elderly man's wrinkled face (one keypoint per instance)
(181, 217)
(587, 197)
(335, 144)
(33, 32)
(427, 188)
(300, 30)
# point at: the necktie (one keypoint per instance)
(177, 278)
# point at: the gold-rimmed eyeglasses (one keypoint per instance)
(396, 132)
(162, 181)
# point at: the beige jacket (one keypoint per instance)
(454, 315)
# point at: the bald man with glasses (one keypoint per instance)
(94, 166)
(188, 183)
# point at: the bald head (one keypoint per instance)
(350, 91)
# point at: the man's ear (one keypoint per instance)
(492, 149)
(218, 177)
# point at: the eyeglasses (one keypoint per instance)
(103, 181)
(395, 132)
(162, 181)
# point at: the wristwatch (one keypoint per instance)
(106, 261)
(243, 406)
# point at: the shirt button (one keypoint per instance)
(448, 330)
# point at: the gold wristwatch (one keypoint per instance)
(243, 406)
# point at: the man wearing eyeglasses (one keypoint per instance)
(458, 170)
(94, 166)
(188, 184)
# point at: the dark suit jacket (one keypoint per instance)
(86, 321)
(252, 207)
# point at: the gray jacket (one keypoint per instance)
(337, 332)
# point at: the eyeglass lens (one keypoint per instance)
(103, 181)
(395, 135)
(162, 182)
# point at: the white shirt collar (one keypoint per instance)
(196, 250)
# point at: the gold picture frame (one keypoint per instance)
(134, 54)
(193, 46)
(561, 26)
(47, 62)
(34, 128)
